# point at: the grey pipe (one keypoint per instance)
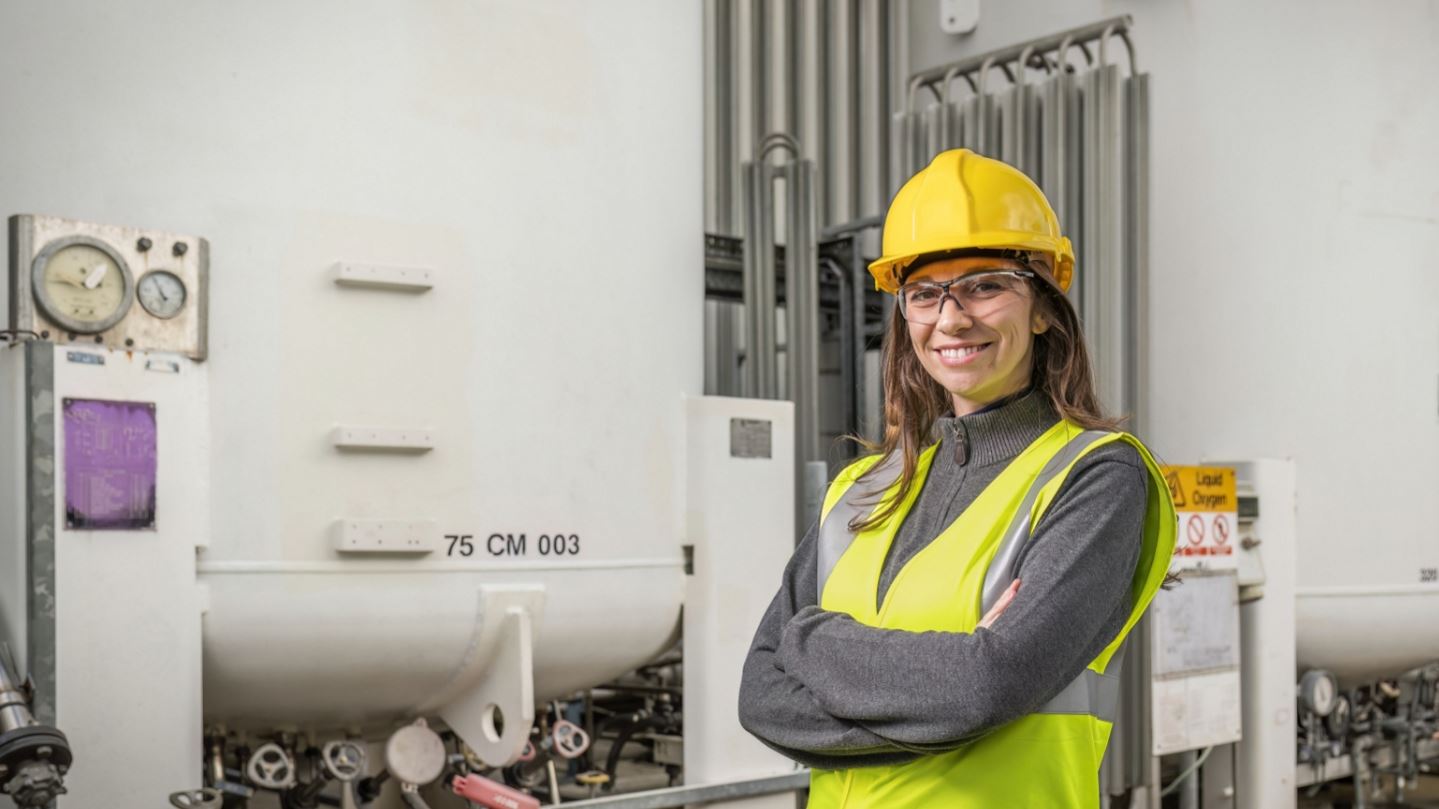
(1136, 229)
(14, 708)
(802, 307)
(720, 145)
(1002, 56)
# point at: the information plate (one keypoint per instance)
(109, 465)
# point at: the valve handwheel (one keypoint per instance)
(344, 761)
(271, 768)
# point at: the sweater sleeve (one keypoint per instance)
(779, 709)
(936, 690)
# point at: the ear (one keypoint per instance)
(1038, 323)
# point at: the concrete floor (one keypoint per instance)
(1424, 795)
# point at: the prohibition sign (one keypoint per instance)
(1221, 530)
(1194, 529)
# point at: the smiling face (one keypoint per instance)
(979, 357)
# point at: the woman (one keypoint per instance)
(902, 659)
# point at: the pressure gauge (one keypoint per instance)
(1318, 692)
(162, 294)
(81, 284)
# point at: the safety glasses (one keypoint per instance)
(977, 293)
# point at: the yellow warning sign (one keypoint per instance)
(1202, 488)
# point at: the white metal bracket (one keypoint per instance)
(490, 701)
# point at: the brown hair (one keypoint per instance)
(1059, 370)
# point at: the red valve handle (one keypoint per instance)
(492, 795)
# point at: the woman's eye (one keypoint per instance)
(983, 288)
(923, 296)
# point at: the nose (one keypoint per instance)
(952, 319)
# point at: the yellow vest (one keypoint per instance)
(1047, 759)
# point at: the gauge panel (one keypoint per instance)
(78, 282)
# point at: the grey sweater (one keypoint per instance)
(832, 693)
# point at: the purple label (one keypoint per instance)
(109, 465)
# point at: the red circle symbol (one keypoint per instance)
(1221, 530)
(1194, 529)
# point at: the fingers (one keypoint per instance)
(1000, 606)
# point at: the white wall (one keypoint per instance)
(1295, 233)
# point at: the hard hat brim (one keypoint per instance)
(889, 271)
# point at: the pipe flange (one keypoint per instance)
(37, 742)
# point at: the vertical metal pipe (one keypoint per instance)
(933, 130)
(1105, 294)
(854, 111)
(971, 124)
(760, 63)
(802, 309)
(1091, 234)
(735, 90)
(859, 282)
(822, 132)
(750, 254)
(40, 455)
(763, 238)
(848, 364)
(788, 44)
(719, 140)
(1137, 250)
(872, 106)
(811, 102)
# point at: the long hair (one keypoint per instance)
(1059, 370)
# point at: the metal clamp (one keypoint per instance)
(271, 767)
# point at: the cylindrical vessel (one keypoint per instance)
(540, 164)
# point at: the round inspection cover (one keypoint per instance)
(415, 754)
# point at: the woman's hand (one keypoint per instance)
(999, 606)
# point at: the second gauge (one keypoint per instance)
(162, 294)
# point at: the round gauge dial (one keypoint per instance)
(82, 284)
(162, 294)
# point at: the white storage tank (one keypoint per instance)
(455, 300)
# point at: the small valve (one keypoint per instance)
(492, 795)
(344, 761)
(197, 799)
(570, 740)
(271, 767)
(528, 754)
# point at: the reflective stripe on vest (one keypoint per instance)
(1091, 692)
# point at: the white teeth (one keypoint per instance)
(956, 353)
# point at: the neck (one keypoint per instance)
(966, 407)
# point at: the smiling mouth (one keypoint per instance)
(962, 353)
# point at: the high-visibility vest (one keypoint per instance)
(1049, 758)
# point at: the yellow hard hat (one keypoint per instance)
(966, 201)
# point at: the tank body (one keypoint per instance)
(540, 164)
